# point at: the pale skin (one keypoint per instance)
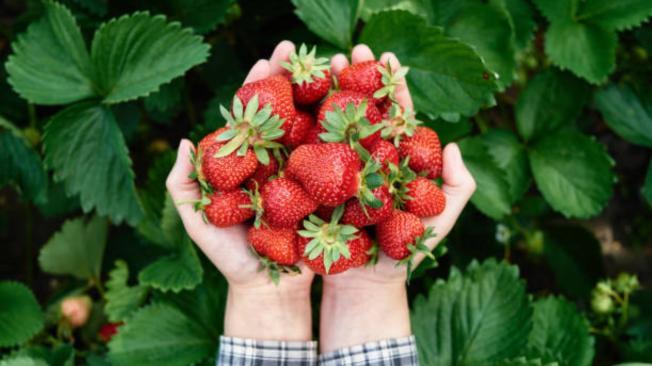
(358, 306)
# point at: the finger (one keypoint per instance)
(184, 190)
(281, 53)
(361, 53)
(338, 63)
(401, 93)
(259, 71)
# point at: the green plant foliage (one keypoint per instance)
(332, 20)
(50, 63)
(647, 187)
(121, 299)
(203, 15)
(106, 183)
(552, 99)
(627, 113)
(573, 345)
(175, 272)
(573, 172)
(447, 78)
(20, 315)
(509, 155)
(23, 361)
(59, 355)
(466, 320)
(77, 249)
(164, 52)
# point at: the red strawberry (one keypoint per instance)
(224, 173)
(300, 125)
(424, 150)
(398, 122)
(278, 245)
(385, 153)
(262, 175)
(211, 138)
(108, 330)
(331, 247)
(401, 235)
(228, 209)
(371, 78)
(425, 198)
(344, 121)
(324, 212)
(311, 79)
(285, 203)
(355, 215)
(312, 137)
(328, 172)
(275, 90)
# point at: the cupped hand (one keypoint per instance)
(227, 247)
(458, 186)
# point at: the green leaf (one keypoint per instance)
(20, 315)
(175, 272)
(371, 7)
(647, 186)
(62, 354)
(446, 76)
(165, 104)
(492, 195)
(521, 20)
(509, 155)
(23, 361)
(20, 164)
(466, 320)
(133, 55)
(487, 29)
(573, 172)
(552, 99)
(50, 64)
(77, 249)
(84, 146)
(575, 258)
(627, 113)
(121, 299)
(332, 20)
(203, 15)
(561, 331)
(616, 15)
(162, 335)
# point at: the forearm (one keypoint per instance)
(272, 314)
(351, 316)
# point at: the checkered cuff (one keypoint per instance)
(395, 352)
(249, 352)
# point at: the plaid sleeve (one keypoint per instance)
(249, 352)
(390, 352)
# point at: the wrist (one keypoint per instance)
(268, 313)
(352, 315)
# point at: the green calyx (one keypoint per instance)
(250, 127)
(349, 125)
(401, 122)
(328, 238)
(256, 205)
(390, 79)
(305, 66)
(419, 246)
(274, 270)
(370, 179)
(398, 178)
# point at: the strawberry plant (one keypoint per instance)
(549, 101)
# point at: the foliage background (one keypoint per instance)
(549, 99)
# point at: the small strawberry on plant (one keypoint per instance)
(75, 310)
(109, 330)
(310, 75)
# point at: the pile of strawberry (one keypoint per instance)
(322, 166)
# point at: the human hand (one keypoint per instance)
(256, 308)
(372, 300)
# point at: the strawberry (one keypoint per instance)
(346, 116)
(424, 151)
(300, 125)
(108, 330)
(284, 203)
(311, 79)
(371, 78)
(402, 235)
(330, 173)
(312, 136)
(331, 247)
(324, 212)
(262, 174)
(278, 245)
(222, 173)
(359, 215)
(425, 198)
(228, 209)
(397, 123)
(276, 250)
(275, 90)
(385, 153)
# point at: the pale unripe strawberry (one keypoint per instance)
(76, 310)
